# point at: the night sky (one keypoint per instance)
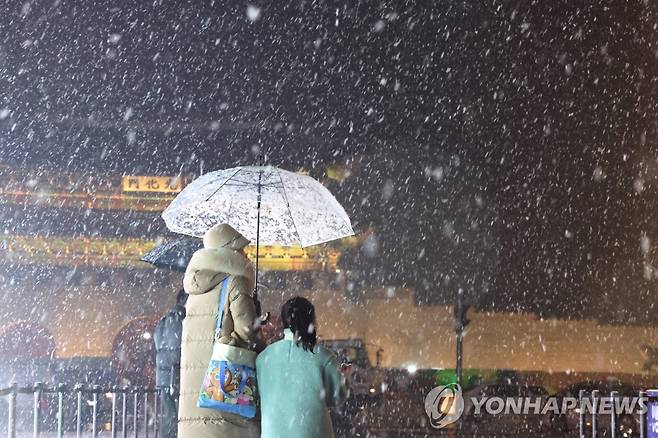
(507, 148)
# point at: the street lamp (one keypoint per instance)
(460, 321)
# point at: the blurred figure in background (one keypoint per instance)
(133, 353)
(167, 339)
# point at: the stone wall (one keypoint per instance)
(84, 319)
(423, 337)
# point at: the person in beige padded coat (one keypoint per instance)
(222, 256)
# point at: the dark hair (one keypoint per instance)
(181, 297)
(298, 315)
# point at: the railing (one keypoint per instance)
(126, 406)
(599, 415)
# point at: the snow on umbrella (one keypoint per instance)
(173, 255)
(295, 210)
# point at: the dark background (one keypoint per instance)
(506, 148)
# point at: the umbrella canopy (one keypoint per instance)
(174, 255)
(295, 210)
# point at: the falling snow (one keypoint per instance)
(505, 150)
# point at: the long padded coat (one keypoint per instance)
(206, 270)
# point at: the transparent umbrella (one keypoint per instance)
(266, 204)
(295, 210)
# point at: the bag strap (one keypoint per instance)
(220, 306)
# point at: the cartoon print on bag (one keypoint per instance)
(232, 392)
(213, 390)
(247, 395)
(229, 384)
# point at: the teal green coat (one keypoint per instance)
(296, 389)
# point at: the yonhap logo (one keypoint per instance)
(444, 405)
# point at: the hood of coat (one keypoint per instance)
(220, 262)
(224, 236)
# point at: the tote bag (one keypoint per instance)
(229, 384)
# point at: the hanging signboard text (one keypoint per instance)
(160, 184)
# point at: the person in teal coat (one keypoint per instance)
(298, 380)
